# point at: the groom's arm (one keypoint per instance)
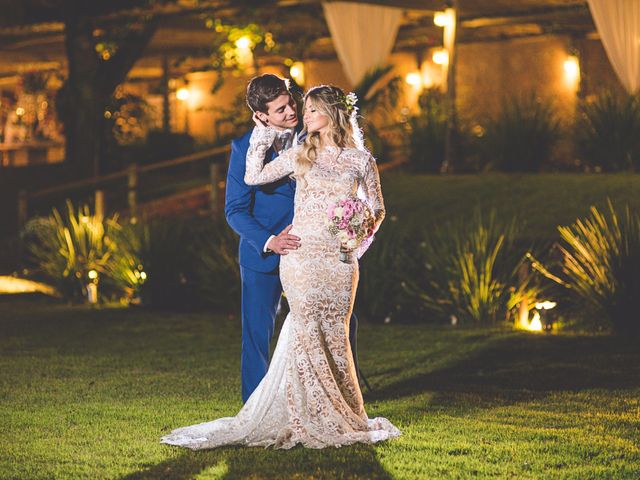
(238, 202)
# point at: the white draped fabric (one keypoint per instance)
(618, 23)
(363, 35)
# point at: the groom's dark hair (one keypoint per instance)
(264, 89)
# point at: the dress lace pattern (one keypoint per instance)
(310, 394)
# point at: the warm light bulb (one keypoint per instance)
(20, 111)
(93, 274)
(183, 94)
(440, 57)
(414, 79)
(243, 43)
(441, 19)
(572, 68)
(297, 72)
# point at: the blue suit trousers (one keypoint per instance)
(261, 294)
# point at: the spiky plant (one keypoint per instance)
(608, 132)
(216, 273)
(427, 132)
(72, 244)
(601, 264)
(522, 137)
(382, 271)
(470, 271)
(377, 94)
(125, 272)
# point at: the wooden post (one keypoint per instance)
(452, 114)
(99, 204)
(23, 208)
(164, 85)
(132, 189)
(214, 202)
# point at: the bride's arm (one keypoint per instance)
(257, 173)
(373, 190)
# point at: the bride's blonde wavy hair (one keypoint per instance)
(343, 130)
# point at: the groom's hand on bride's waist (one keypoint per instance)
(283, 242)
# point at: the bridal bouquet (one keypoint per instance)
(352, 221)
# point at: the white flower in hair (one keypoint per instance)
(349, 102)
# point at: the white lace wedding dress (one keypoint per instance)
(310, 394)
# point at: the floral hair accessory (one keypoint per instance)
(349, 101)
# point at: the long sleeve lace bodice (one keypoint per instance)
(336, 173)
(257, 173)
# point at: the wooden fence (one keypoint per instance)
(216, 157)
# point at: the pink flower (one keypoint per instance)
(330, 211)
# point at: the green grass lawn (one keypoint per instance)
(539, 201)
(88, 393)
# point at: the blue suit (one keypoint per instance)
(256, 213)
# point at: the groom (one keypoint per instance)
(262, 216)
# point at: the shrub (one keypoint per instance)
(216, 274)
(382, 269)
(608, 132)
(163, 249)
(189, 264)
(522, 137)
(427, 132)
(600, 264)
(176, 263)
(469, 271)
(66, 247)
(377, 94)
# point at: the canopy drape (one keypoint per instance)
(363, 35)
(618, 23)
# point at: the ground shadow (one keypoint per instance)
(353, 462)
(525, 365)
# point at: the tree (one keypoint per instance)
(93, 75)
(125, 27)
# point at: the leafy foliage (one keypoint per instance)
(382, 268)
(469, 271)
(608, 132)
(377, 94)
(600, 265)
(427, 132)
(189, 264)
(522, 137)
(128, 117)
(182, 264)
(67, 246)
(216, 275)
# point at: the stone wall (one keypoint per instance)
(488, 73)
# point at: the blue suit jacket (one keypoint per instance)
(256, 212)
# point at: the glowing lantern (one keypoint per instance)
(243, 43)
(183, 94)
(571, 69)
(443, 19)
(297, 72)
(440, 57)
(414, 79)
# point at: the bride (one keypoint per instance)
(310, 394)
